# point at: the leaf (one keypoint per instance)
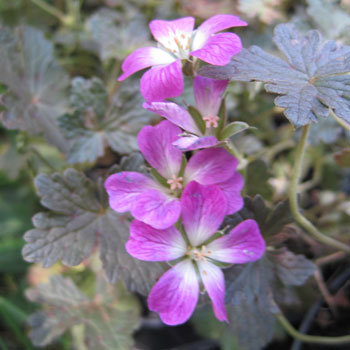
(109, 319)
(95, 123)
(342, 158)
(78, 221)
(117, 34)
(314, 78)
(291, 269)
(37, 84)
(325, 131)
(233, 129)
(329, 18)
(257, 177)
(270, 220)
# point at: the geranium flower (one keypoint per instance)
(156, 201)
(176, 42)
(175, 294)
(208, 97)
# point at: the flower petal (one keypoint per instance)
(208, 94)
(175, 114)
(214, 283)
(156, 145)
(213, 25)
(243, 244)
(203, 210)
(219, 49)
(232, 188)
(210, 166)
(143, 58)
(123, 188)
(156, 209)
(175, 295)
(162, 82)
(166, 31)
(192, 142)
(150, 244)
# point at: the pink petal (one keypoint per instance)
(166, 31)
(232, 188)
(192, 142)
(213, 25)
(203, 210)
(208, 94)
(214, 283)
(123, 188)
(162, 82)
(143, 58)
(156, 209)
(175, 295)
(210, 166)
(150, 244)
(243, 244)
(156, 145)
(219, 49)
(175, 114)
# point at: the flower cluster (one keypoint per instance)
(180, 205)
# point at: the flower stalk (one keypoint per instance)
(293, 197)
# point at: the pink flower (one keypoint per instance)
(178, 41)
(208, 97)
(157, 203)
(175, 294)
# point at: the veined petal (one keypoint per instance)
(162, 82)
(232, 188)
(165, 32)
(243, 244)
(150, 244)
(123, 188)
(143, 58)
(208, 94)
(213, 25)
(203, 210)
(193, 142)
(175, 114)
(210, 166)
(219, 49)
(156, 209)
(214, 283)
(156, 145)
(175, 295)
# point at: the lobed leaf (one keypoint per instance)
(37, 84)
(314, 78)
(108, 319)
(78, 222)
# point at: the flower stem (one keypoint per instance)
(340, 121)
(50, 9)
(293, 197)
(310, 338)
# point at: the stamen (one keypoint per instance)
(199, 255)
(175, 183)
(211, 121)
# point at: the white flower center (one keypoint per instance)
(199, 255)
(179, 44)
(211, 121)
(175, 183)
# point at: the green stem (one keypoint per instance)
(340, 121)
(50, 9)
(293, 197)
(242, 162)
(311, 338)
(43, 159)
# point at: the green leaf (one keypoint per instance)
(233, 129)
(78, 220)
(342, 158)
(198, 119)
(117, 34)
(96, 123)
(109, 319)
(314, 78)
(257, 177)
(36, 82)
